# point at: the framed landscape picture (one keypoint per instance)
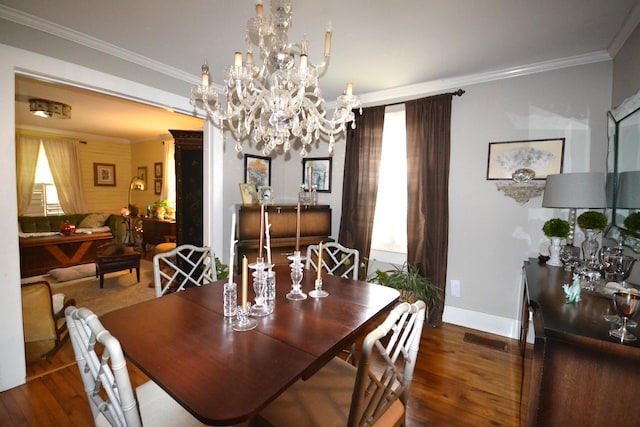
(543, 156)
(104, 174)
(257, 170)
(317, 171)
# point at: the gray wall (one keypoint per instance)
(626, 69)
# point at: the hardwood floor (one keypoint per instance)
(462, 378)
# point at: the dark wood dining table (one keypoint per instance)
(183, 342)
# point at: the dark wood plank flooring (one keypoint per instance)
(457, 382)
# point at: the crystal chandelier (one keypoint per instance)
(278, 101)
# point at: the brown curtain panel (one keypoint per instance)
(360, 185)
(428, 143)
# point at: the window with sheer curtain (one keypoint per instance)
(44, 197)
(390, 220)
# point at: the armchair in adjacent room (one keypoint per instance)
(45, 329)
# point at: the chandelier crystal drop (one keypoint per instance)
(278, 101)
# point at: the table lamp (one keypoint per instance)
(628, 196)
(573, 191)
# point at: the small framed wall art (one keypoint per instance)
(248, 194)
(157, 170)
(157, 186)
(104, 174)
(317, 171)
(257, 170)
(142, 174)
(543, 156)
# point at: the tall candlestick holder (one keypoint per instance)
(296, 265)
(242, 321)
(260, 308)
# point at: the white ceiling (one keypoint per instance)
(377, 45)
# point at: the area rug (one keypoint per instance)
(120, 289)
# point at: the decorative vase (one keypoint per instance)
(590, 245)
(67, 228)
(554, 252)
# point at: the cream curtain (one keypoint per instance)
(64, 163)
(169, 174)
(27, 148)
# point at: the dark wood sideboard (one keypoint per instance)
(155, 231)
(574, 373)
(315, 226)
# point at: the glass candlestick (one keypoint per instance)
(230, 299)
(243, 322)
(296, 293)
(318, 292)
(260, 308)
(271, 289)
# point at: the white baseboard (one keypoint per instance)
(489, 323)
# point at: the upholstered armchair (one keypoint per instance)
(45, 329)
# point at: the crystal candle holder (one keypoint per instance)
(318, 292)
(296, 265)
(260, 308)
(242, 321)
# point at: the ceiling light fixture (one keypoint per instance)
(279, 100)
(49, 109)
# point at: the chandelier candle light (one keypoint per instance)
(279, 100)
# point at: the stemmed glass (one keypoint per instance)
(296, 293)
(626, 306)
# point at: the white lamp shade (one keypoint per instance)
(629, 190)
(575, 190)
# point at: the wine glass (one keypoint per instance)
(626, 306)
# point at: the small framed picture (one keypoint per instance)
(317, 173)
(157, 170)
(157, 186)
(142, 174)
(104, 174)
(265, 194)
(248, 194)
(257, 170)
(543, 156)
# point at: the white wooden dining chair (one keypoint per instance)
(183, 267)
(336, 259)
(373, 394)
(107, 384)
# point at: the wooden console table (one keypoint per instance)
(315, 226)
(41, 254)
(574, 373)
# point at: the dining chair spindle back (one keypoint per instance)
(183, 267)
(336, 259)
(106, 379)
(373, 394)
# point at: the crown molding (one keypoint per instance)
(405, 93)
(628, 27)
(398, 94)
(71, 134)
(54, 29)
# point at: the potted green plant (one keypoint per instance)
(632, 223)
(591, 223)
(592, 220)
(555, 229)
(411, 284)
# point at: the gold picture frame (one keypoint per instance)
(248, 194)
